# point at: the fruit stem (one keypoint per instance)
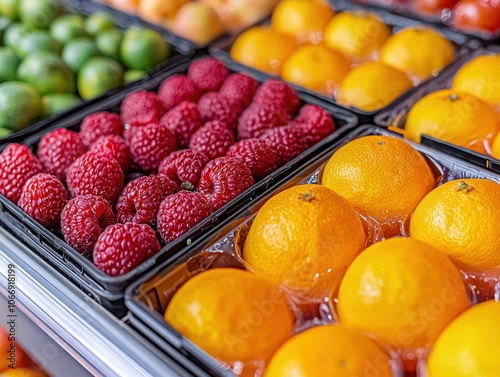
(308, 196)
(453, 97)
(188, 186)
(465, 187)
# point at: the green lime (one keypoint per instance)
(47, 73)
(37, 41)
(8, 8)
(108, 42)
(4, 24)
(20, 105)
(68, 27)
(134, 75)
(98, 22)
(14, 33)
(143, 48)
(78, 51)
(57, 102)
(9, 64)
(98, 76)
(39, 13)
(4, 132)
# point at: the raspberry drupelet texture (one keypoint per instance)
(141, 108)
(239, 88)
(216, 106)
(208, 74)
(116, 147)
(278, 93)
(184, 167)
(213, 140)
(255, 153)
(286, 142)
(100, 124)
(315, 122)
(177, 89)
(183, 121)
(258, 118)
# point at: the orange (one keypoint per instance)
(357, 34)
(330, 351)
(263, 49)
(316, 68)
(159, 10)
(404, 292)
(305, 20)
(469, 345)
(22, 372)
(372, 86)
(231, 314)
(304, 238)
(381, 176)
(125, 5)
(481, 78)
(454, 117)
(462, 219)
(420, 52)
(495, 149)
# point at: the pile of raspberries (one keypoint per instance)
(168, 161)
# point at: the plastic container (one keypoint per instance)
(396, 114)
(109, 290)
(148, 297)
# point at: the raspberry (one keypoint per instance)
(122, 247)
(100, 124)
(180, 212)
(287, 142)
(141, 108)
(255, 153)
(83, 219)
(224, 179)
(258, 118)
(215, 106)
(183, 167)
(141, 198)
(97, 174)
(315, 122)
(177, 89)
(278, 93)
(183, 120)
(116, 147)
(43, 198)
(150, 145)
(58, 149)
(213, 140)
(208, 74)
(239, 88)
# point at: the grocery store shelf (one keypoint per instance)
(76, 334)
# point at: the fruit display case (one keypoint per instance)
(148, 298)
(396, 115)
(109, 290)
(87, 9)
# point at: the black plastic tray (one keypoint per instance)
(396, 115)
(109, 290)
(170, 275)
(87, 8)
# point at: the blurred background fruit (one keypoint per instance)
(20, 104)
(99, 75)
(10, 62)
(78, 51)
(108, 42)
(56, 102)
(37, 41)
(477, 15)
(142, 48)
(39, 13)
(66, 28)
(198, 23)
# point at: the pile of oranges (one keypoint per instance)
(396, 256)
(349, 55)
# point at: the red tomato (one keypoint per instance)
(477, 15)
(432, 6)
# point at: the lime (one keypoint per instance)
(47, 73)
(56, 102)
(37, 41)
(10, 61)
(14, 33)
(67, 27)
(143, 48)
(8, 8)
(108, 42)
(97, 23)
(78, 51)
(4, 132)
(98, 76)
(20, 105)
(39, 13)
(134, 75)
(4, 24)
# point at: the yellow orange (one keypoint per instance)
(495, 149)
(125, 5)
(159, 10)
(22, 372)
(197, 22)
(304, 238)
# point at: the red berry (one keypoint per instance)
(150, 145)
(287, 142)
(256, 155)
(17, 165)
(141, 198)
(180, 212)
(213, 140)
(315, 122)
(83, 219)
(116, 147)
(122, 247)
(58, 149)
(177, 89)
(141, 108)
(215, 106)
(258, 118)
(97, 174)
(208, 74)
(239, 88)
(224, 179)
(183, 167)
(183, 120)
(278, 93)
(100, 124)
(43, 198)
